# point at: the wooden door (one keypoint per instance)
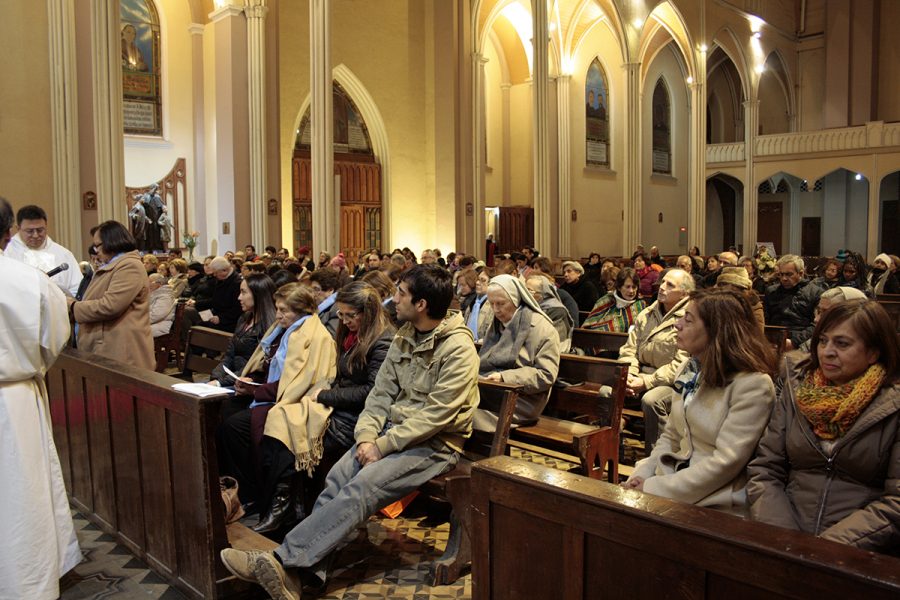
(770, 215)
(811, 236)
(516, 228)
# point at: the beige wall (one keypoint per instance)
(401, 79)
(597, 193)
(26, 173)
(889, 58)
(661, 193)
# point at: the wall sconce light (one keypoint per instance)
(574, 215)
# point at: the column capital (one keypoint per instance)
(750, 103)
(196, 28)
(479, 58)
(225, 12)
(631, 66)
(256, 9)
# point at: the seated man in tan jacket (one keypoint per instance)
(653, 355)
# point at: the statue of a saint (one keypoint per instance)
(139, 221)
(153, 206)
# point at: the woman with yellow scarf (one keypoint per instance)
(829, 461)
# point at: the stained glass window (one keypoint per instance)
(140, 41)
(596, 129)
(662, 129)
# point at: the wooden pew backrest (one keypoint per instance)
(202, 341)
(139, 460)
(539, 533)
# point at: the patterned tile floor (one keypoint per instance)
(389, 559)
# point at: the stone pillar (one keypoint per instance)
(196, 217)
(541, 140)
(325, 213)
(478, 153)
(229, 162)
(697, 168)
(751, 190)
(109, 145)
(256, 75)
(631, 225)
(564, 234)
(507, 151)
(64, 126)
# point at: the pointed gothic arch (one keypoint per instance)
(662, 128)
(377, 137)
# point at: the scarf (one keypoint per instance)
(622, 302)
(277, 363)
(350, 341)
(833, 409)
(472, 322)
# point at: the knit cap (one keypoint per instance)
(735, 276)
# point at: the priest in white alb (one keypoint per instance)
(32, 246)
(37, 538)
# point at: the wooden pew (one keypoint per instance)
(455, 485)
(605, 344)
(170, 343)
(596, 446)
(204, 349)
(139, 461)
(893, 309)
(543, 534)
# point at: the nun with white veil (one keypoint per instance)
(520, 348)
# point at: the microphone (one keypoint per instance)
(57, 270)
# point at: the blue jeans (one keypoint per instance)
(352, 494)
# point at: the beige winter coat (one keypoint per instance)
(849, 493)
(701, 457)
(427, 391)
(114, 316)
(651, 349)
(311, 360)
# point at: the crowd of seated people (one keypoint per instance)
(318, 351)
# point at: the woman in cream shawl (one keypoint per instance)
(521, 347)
(295, 356)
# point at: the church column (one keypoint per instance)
(64, 125)
(751, 190)
(541, 142)
(109, 145)
(196, 217)
(564, 240)
(697, 169)
(325, 213)
(631, 225)
(228, 158)
(480, 160)
(507, 151)
(256, 73)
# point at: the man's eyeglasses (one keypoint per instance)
(34, 231)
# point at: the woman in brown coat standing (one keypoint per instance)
(829, 461)
(113, 318)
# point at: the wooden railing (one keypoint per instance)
(541, 533)
(139, 461)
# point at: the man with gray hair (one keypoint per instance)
(792, 301)
(653, 355)
(728, 259)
